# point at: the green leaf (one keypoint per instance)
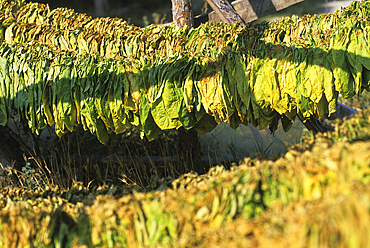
(117, 109)
(206, 124)
(65, 103)
(148, 125)
(161, 117)
(4, 80)
(353, 55)
(189, 88)
(101, 94)
(343, 80)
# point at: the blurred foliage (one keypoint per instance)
(316, 195)
(300, 9)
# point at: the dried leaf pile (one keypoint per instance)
(59, 66)
(317, 195)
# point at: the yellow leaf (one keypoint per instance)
(82, 44)
(9, 34)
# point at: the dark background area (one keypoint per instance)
(145, 12)
(138, 12)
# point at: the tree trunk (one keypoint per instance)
(182, 12)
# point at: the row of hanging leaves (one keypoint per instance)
(59, 66)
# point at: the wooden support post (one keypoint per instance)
(182, 12)
(225, 11)
(188, 142)
(248, 10)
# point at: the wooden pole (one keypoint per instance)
(188, 142)
(182, 12)
(248, 10)
(225, 11)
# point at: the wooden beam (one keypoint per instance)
(249, 10)
(224, 11)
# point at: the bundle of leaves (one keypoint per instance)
(65, 68)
